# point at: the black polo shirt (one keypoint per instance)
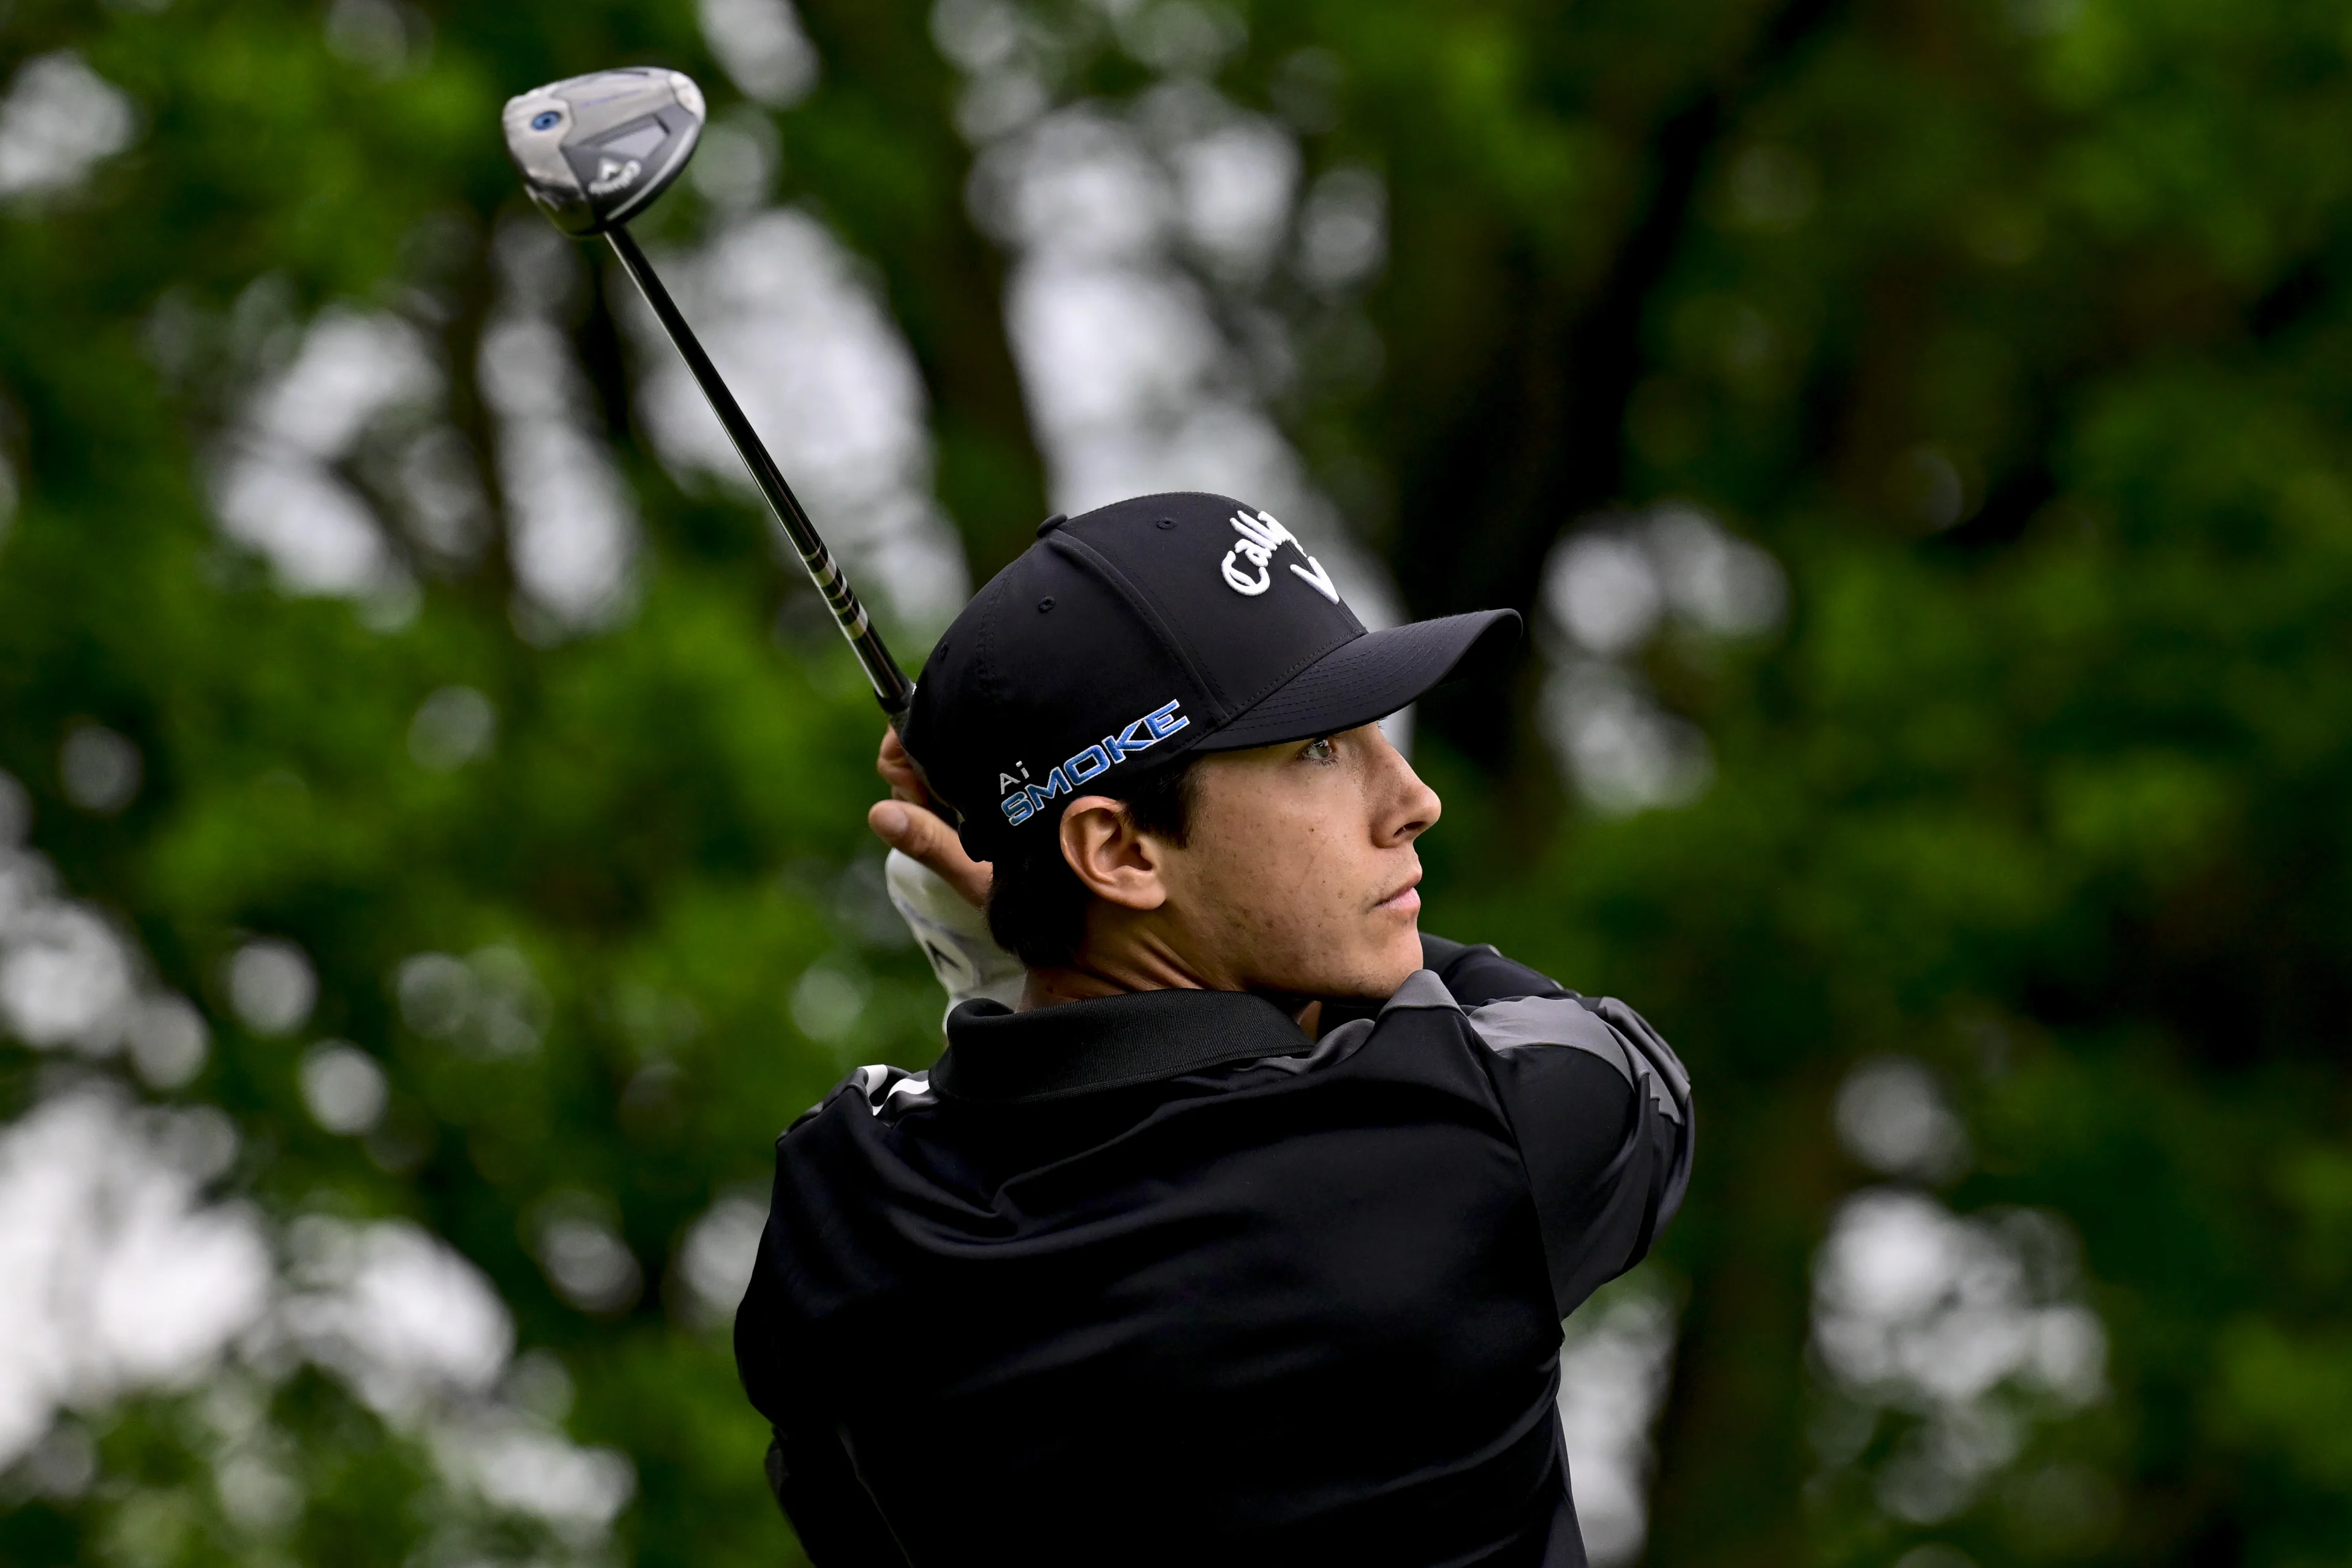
(1154, 1279)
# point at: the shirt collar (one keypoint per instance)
(1110, 1042)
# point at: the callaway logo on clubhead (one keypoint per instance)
(595, 150)
(1260, 537)
(613, 176)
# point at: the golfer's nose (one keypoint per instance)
(1406, 808)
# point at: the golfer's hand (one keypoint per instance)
(905, 823)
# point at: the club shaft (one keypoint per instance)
(891, 686)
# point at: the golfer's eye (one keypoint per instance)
(1320, 750)
(546, 120)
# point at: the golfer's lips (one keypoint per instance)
(1405, 899)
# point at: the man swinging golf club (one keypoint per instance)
(1246, 1235)
(1236, 1222)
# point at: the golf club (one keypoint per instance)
(594, 151)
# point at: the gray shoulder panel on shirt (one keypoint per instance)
(1550, 1021)
(1558, 1022)
(1637, 1032)
(1338, 1044)
(1421, 988)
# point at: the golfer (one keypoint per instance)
(1242, 1232)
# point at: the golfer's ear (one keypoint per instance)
(1113, 860)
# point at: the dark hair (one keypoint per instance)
(1037, 906)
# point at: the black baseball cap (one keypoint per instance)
(1148, 630)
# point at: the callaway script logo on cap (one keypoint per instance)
(1145, 631)
(1260, 537)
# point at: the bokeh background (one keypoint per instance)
(432, 865)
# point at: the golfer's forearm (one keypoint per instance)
(1601, 1110)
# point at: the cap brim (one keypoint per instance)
(1369, 677)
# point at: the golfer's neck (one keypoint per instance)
(1122, 968)
(1089, 976)
(1125, 951)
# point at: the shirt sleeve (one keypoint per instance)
(1601, 1109)
(1470, 975)
(810, 1467)
(1476, 975)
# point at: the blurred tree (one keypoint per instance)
(2011, 334)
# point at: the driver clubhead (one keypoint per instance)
(595, 149)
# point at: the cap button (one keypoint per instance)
(1051, 523)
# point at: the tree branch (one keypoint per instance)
(1543, 441)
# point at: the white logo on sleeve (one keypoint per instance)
(1260, 537)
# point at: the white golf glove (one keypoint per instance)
(952, 934)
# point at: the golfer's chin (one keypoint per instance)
(1374, 969)
(1402, 958)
